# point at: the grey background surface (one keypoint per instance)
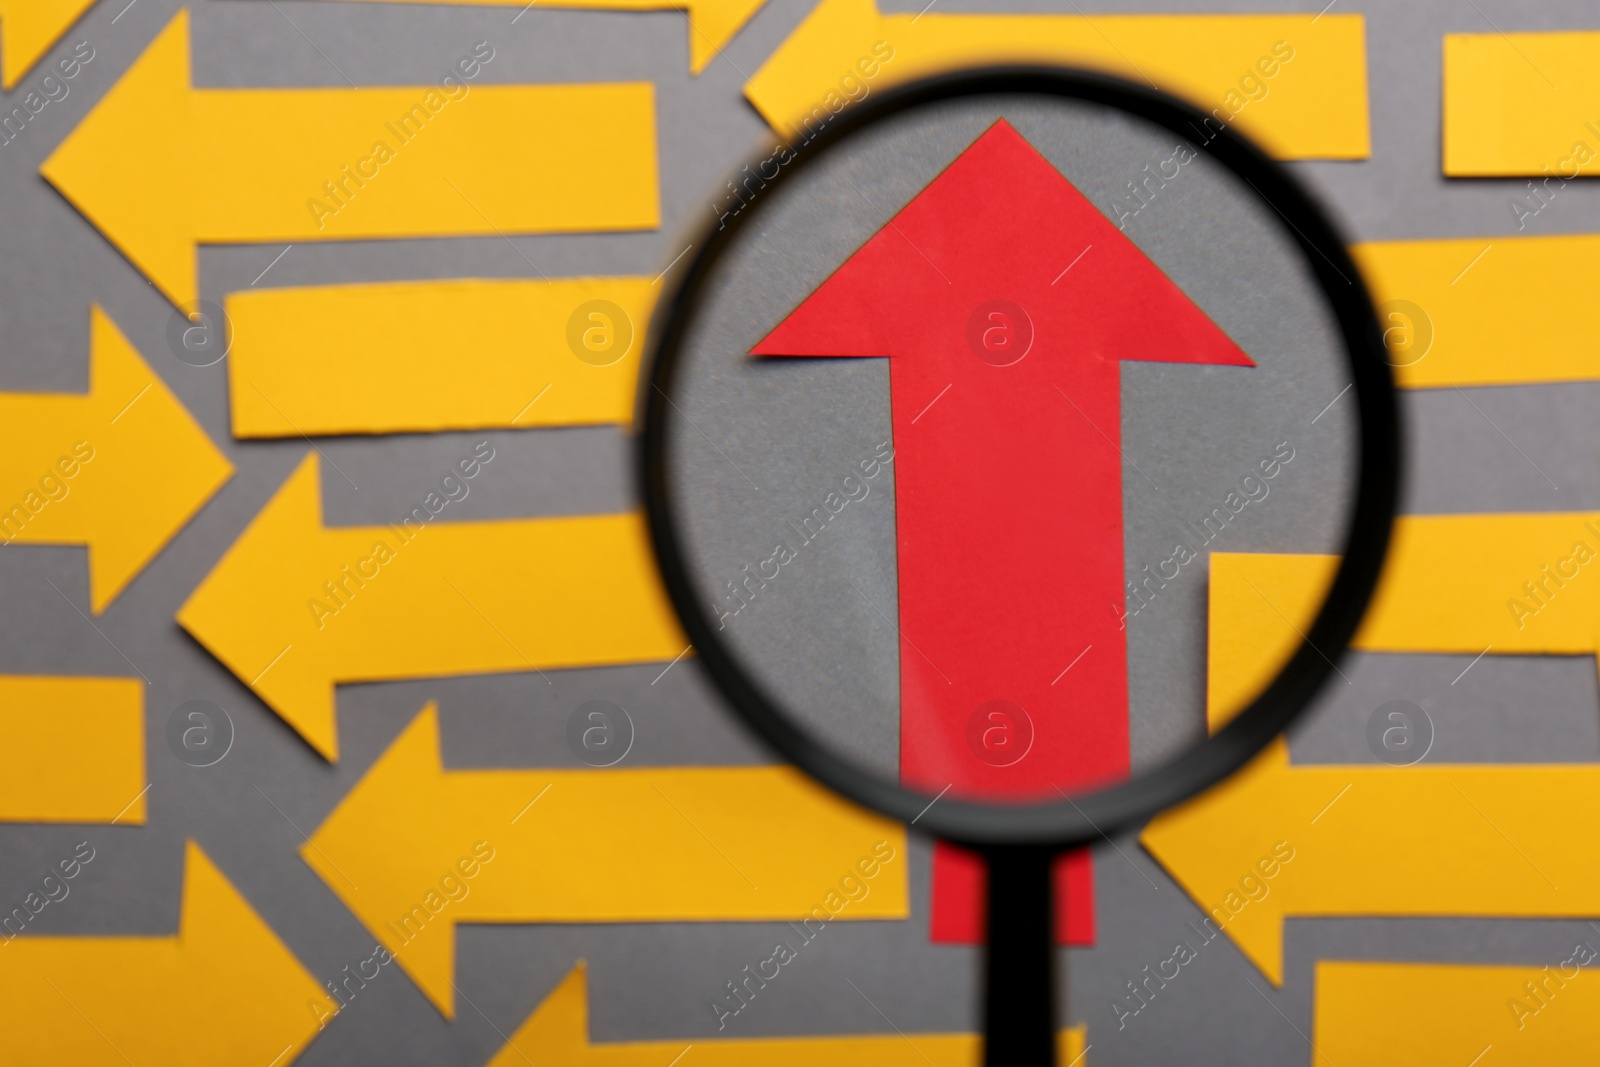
(1531, 448)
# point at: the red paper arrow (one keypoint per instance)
(1005, 301)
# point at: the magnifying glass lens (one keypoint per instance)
(965, 421)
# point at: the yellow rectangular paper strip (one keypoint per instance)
(1521, 103)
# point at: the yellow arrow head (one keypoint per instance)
(712, 24)
(558, 1027)
(27, 30)
(131, 164)
(155, 467)
(401, 798)
(823, 47)
(225, 989)
(259, 992)
(239, 612)
(1212, 846)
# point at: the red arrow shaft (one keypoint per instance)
(1008, 497)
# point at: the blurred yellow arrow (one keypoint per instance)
(119, 469)
(557, 1034)
(1486, 310)
(160, 167)
(415, 849)
(27, 30)
(1499, 840)
(223, 990)
(75, 750)
(468, 354)
(712, 23)
(1297, 83)
(294, 607)
(1504, 584)
(1440, 1015)
(1522, 103)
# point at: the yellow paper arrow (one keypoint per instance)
(414, 849)
(557, 1035)
(441, 355)
(27, 30)
(1485, 310)
(712, 23)
(1312, 104)
(1435, 1015)
(119, 469)
(160, 167)
(223, 990)
(1433, 839)
(1493, 845)
(293, 607)
(1501, 584)
(1522, 103)
(75, 750)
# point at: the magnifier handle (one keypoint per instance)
(1019, 998)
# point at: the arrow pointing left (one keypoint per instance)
(712, 23)
(295, 607)
(414, 849)
(160, 167)
(119, 469)
(225, 989)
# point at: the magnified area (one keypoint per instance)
(976, 413)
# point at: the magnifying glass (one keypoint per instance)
(958, 399)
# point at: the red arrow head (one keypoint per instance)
(1000, 231)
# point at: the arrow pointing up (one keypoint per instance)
(1004, 301)
(160, 166)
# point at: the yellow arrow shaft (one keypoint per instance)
(1451, 310)
(480, 597)
(40, 466)
(1433, 1015)
(422, 161)
(1296, 84)
(1498, 840)
(1522, 103)
(75, 750)
(678, 843)
(430, 356)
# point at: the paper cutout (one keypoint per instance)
(651, 845)
(557, 1035)
(712, 23)
(224, 989)
(1522, 103)
(1485, 310)
(74, 750)
(294, 607)
(1351, 853)
(1504, 584)
(119, 469)
(27, 30)
(160, 167)
(1436, 1015)
(1312, 105)
(959, 915)
(1006, 448)
(439, 355)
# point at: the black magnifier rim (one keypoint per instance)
(1093, 815)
